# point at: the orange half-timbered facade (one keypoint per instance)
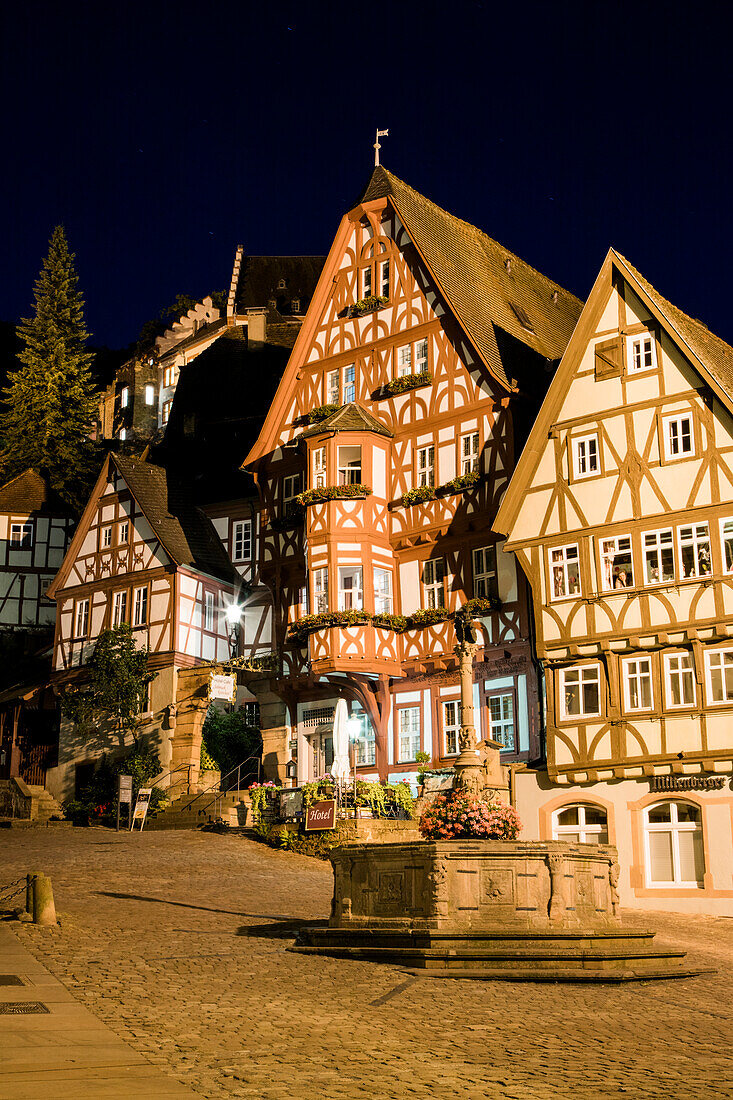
(380, 467)
(620, 513)
(141, 555)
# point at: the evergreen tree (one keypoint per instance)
(50, 402)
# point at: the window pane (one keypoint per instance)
(660, 853)
(594, 815)
(692, 865)
(660, 813)
(686, 812)
(568, 817)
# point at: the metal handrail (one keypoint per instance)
(208, 790)
(221, 793)
(164, 775)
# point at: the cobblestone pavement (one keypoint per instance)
(177, 941)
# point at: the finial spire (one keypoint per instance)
(377, 146)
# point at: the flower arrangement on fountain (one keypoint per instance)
(460, 815)
(260, 794)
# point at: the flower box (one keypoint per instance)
(418, 496)
(321, 413)
(370, 304)
(404, 384)
(333, 492)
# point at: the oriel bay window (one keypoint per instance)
(382, 591)
(484, 572)
(320, 591)
(674, 845)
(433, 582)
(408, 725)
(351, 592)
(580, 691)
(694, 543)
(451, 725)
(719, 675)
(637, 675)
(617, 563)
(680, 679)
(658, 557)
(349, 465)
(564, 571)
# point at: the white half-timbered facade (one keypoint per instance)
(620, 513)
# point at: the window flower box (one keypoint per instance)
(397, 623)
(369, 304)
(418, 496)
(321, 413)
(428, 616)
(403, 384)
(459, 484)
(333, 492)
(309, 624)
(480, 606)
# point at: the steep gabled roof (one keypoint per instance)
(31, 492)
(260, 278)
(485, 284)
(349, 418)
(708, 354)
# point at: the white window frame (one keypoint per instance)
(563, 564)
(366, 281)
(484, 572)
(166, 411)
(365, 742)
(586, 451)
(699, 539)
(683, 673)
(123, 532)
(451, 720)
(588, 834)
(320, 590)
(349, 473)
(433, 583)
(169, 375)
(674, 435)
(384, 266)
(105, 537)
(348, 383)
(81, 619)
(609, 549)
(292, 486)
(584, 678)
(641, 352)
(18, 533)
(721, 658)
(421, 355)
(404, 361)
(470, 453)
(124, 397)
(409, 733)
(633, 673)
(319, 468)
(674, 827)
(504, 727)
(383, 602)
(333, 387)
(209, 606)
(122, 434)
(425, 466)
(140, 606)
(351, 598)
(657, 547)
(119, 607)
(242, 540)
(150, 395)
(724, 555)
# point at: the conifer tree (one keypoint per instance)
(50, 401)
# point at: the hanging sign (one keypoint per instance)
(321, 815)
(222, 687)
(141, 807)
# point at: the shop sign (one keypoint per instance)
(688, 782)
(291, 803)
(321, 815)
(141, 807)
(223, 687)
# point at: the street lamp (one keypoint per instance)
(234, 619)
(291, 770)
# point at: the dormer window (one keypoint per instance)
(349, 465)
(642, 353)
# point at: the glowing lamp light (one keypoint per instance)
(234, 613)
(353, 728)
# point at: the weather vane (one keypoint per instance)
(377, 146)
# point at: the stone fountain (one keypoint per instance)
(492, 909)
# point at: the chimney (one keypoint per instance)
(256, 328)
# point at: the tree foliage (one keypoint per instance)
(116, 685)
(50, 400)
(229, 740)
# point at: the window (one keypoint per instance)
(638, 683)
(674, 844)
(168, 376)
(582, 824)
(382, 591)
(105, 539)
(580, 691)
(409, 363)
(366, 281)
(242, 540)
(678, 438)
(292, 486)
(421, 356)
(719, 672)
(585, 455)
(364, 741)
(680, 679)
(349, 465)
(319, 468)
(404, 361)
(451, 726)
(81, 619)
(565, 571)
(150, 395)
(320, 591)
(501, 720)
(426, 465)
(642, 354)
(384, 278)
(295, 305)
(119, 608)
(484, 572)
(349, 384)
(208, 610)
(469, 454)
(165, 415)
(250, 712)
(351, 594)
(726, 535)
(658, 557)
(409, 733)
(694, 543)
(123, 532)
(433, 581)
(44, 582)
(21, 535)
(333, 388)
(124, 397)
(140, 607)
(617, 565)
(122, 436)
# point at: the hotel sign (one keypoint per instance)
(223, 687)
(688, 782)
(320, 815)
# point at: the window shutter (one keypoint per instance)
(609, 358)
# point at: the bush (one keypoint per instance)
(458, 815)
(230, 740)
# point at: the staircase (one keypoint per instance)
(44, 805)
(26, 804)
(189, 812)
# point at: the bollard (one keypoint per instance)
(29, 891)
(44, 910)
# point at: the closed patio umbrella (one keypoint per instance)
(340, 768)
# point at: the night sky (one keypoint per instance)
(164, 135)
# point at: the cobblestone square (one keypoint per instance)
(177, 941)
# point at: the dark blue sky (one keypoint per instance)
(163, 135)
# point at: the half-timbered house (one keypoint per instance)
(380, 466)
(142, 554)
(620, 513)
